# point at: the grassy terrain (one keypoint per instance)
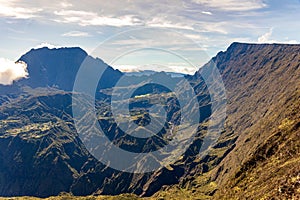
(257, 156)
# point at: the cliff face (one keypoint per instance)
(263, 89)
(262, 84)
(256, 156)
(41, 152)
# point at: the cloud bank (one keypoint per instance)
(213, 24)
(48, 45)
(266, 38)
(9, 9)
(76, 34)
(11, 71)
(233, 5)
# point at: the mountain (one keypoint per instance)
(263, 86)
(262, 126)
(40, 154)
(39, 139)
(58, 68)
(255, 157)
(151, 72)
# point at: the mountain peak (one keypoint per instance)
(56, 67)
(70, 50)
(238, 45)
(236, 49)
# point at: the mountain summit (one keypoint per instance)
(58, 67)
(255, 157)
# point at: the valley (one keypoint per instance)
(254, 153)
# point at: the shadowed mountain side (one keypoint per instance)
(40, 119)
(58, 68)
(262, 85)
(256, 156)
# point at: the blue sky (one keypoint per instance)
(167, 35)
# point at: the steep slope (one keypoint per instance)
(39, 139)
(40, 153)
(255, 157)
(262, 84)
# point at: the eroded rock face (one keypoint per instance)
(262, 83)
(42, 155)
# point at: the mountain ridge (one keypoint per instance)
(59, 67)
(259, 137)
(262, 86)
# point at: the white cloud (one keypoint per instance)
(66, 4)
(195, 36)
(232, 5)
(8, 9)
(84, 18)
(215, 27)
(182, 69)
(267, 39)
(290, 41)
(11, 71)
(157, 67)
(46, 44)
(210, 23)
(162, 23)
(127, 68)
(76, 34)
(206, 13)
